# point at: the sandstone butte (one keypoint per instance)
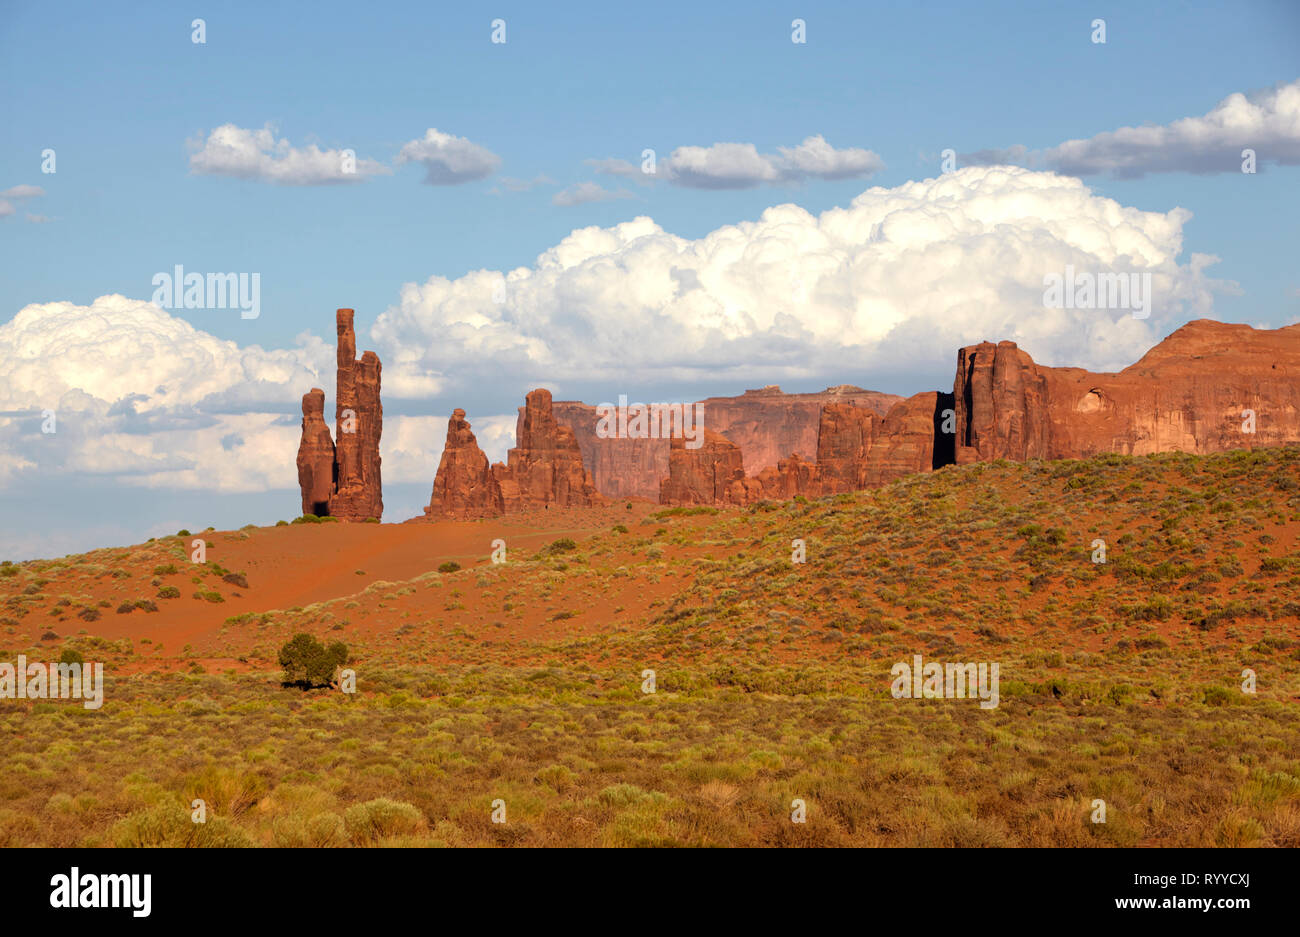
(1208, 387)
(544, 469)
(766, 424)
(342, 479)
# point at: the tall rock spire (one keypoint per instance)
(315, 456)
(464, 486)
(355, 488)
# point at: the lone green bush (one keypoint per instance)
(308, 663)
(375, 819)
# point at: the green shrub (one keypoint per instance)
(624, 795)
(1220, 696)
(322, 831)
(169, 825)
(449, 567)
(560, 777)
(308, 663)
(375, 819)
(169, 592)
(695, 511)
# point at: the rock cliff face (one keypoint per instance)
(766, 424)
(349, 486)
(714, 473)
(1190, 393)
(1000, 402)
(1208, 387)
(620, 468)
(845, 435)
(789, 477)
(547, 462)
(544, 469)
(769, 425)
(910, 439)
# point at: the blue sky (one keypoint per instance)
(125, 98)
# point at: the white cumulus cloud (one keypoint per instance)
(257, 154)
(142, 395)
(448, 159)
(1267, 122)
(902, 275)
(118, 349)
(144, 399)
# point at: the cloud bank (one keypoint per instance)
(181, 413)
(190, 412)
(902, 275)
(899, 278)
(1267, 122)
(741, 166)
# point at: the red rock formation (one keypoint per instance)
(545, 468)
(766, 424)
(789, 477)
(358, 423)
(512, 501)
(909, 439)
(844, 435)
(315, 455)
(620, 468)
(713, 473)
(355, 488)
(1187, 394)
(464, 486)
(1190, 393)
(1000, 395)
(857, 448)
(546, 462)
(1197, 391)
